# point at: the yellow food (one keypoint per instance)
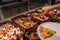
(40, 16)
(46, 32)
(24, 22)
(32, 35)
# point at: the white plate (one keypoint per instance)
(51, 25)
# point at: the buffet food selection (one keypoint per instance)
(12, 30)
(24, 21)
(9, 32)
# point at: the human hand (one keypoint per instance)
(46, 9)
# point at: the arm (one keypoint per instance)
(46, 9)
(57, 6)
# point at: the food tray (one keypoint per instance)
(38, 16)
(25, 19)
(9, 31)
(32, 34)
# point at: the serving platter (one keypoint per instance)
(53, 26)
(8, 31)
(32, 34)
(37, 16)
(24, 22)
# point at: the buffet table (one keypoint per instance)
(27, 23)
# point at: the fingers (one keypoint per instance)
(43, 11)
(40, 10)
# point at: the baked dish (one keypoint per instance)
(9, 32)
(46, 32)
(38, 16)
(56, 17)
(32, 34)
(25, 22)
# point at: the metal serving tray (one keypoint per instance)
(35, 25)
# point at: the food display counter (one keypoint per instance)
(27, 24)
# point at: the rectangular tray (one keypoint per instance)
(37, 16)
(2, 23)
(24, 18)
(4, 26)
